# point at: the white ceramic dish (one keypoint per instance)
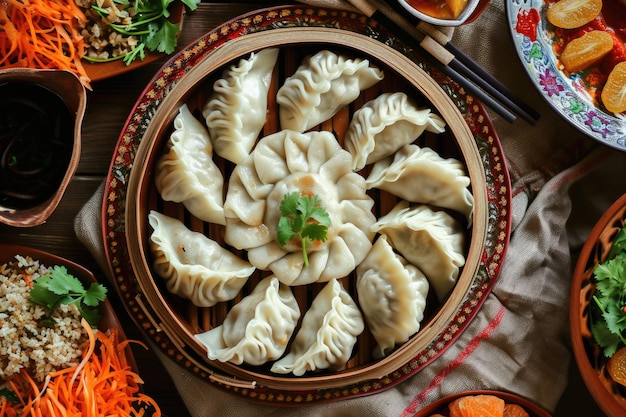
(465, 15)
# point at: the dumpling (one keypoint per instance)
(312, 164)
(383, 125)
(392, 294)
(257, 329)
(431, 240)
(194, 266)
(420, 175)
(328, 333)
(321, 86)
(187, 174)
(237, 109)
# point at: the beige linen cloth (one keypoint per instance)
(519, 340)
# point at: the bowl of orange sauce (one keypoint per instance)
(444, 12)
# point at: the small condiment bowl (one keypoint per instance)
(470, 12)
(18, 206)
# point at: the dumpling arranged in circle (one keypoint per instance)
(309, 164)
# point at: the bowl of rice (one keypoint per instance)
(36, 343)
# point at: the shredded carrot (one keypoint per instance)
(52, 36)
(103, 384)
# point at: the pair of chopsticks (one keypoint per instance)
(435, 46)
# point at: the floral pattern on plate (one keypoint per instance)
(569, 95)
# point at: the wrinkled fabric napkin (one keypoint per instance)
(519, 340)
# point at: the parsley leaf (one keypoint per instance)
(304, 218)
(607, 315)
(60, 287)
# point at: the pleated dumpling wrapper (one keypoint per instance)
(193, 266)
(392, 294)
(257, 329)
(187, 174)
(328, 333)
(432, 240)
(323, 84)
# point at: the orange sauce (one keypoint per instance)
(440, 9)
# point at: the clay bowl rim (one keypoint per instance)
(533, 409)
(75, 97)
(578, 305)
(136, 216)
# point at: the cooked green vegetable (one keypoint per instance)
(60, 287)
(608, 311)
(150, 25)
(303, 218)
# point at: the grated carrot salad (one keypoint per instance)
(102, 384)
(42, 34)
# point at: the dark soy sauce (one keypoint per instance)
(36, 139)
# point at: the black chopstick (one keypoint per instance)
(452, 67)
(472, 65)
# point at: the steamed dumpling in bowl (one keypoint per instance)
(311, 163)
(323, 84)
(194, 266)
(237, 109)
(187, 174)
(385, 124)
(432, 240)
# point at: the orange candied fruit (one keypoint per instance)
(617, 364)
(571, 14)
(514, 410)
(614, 99)
(583, 52)
(482, 405)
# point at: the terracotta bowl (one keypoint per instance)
(109, 319)
(609, 395)
(441, 406)
(66, 86)
(178, 317)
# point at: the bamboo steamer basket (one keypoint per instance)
(178, 318)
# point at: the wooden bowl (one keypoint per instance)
(68, 87)
(178, 317)
(441, 406)
(609, 395)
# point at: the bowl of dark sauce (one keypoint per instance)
(41, 113)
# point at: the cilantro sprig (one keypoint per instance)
(303, 218)
(608, 311)
(58, 287)
(150, 25)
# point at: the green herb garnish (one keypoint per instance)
(150, 25)
(9, 395)
(303, 218)
(608, 315)
(60, 287)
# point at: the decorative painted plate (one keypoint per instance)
(163, 84)
(574, 96)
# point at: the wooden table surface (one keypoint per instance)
(108, 107)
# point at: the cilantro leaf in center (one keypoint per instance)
(302, 218)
